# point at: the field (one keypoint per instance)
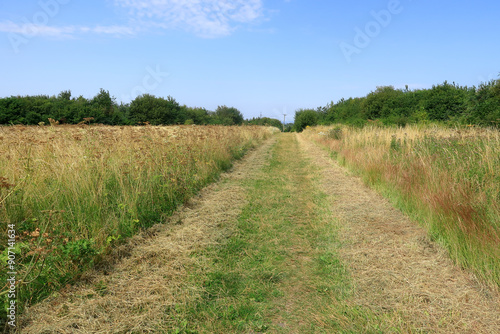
(176, 229)
(75, 192)
(446, 179)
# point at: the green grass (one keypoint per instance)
(279, 271)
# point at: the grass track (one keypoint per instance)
(262, 251)
(279, 271)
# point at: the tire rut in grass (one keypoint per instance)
(279, 272)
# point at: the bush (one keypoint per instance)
(305, 117)
(444, 103)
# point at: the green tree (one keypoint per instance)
(445, 101)
(199, 116)
(305, 117)
(103, 106)
(346, 111)
(65, 95)
(484, 105)
(381, 102)
(155, 110)
(228, 116)
(266, 121)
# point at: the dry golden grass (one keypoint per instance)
(264, 242)
(398, 272)
(74, 192)
(141, 293)
(448, 178)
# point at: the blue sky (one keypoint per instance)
(262, 57)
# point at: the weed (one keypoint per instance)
(335, 133)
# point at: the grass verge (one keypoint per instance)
(446, 179)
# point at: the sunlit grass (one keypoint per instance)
(279, 271)
(74, 192)
(448, 179)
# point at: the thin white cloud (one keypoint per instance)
(32, 30)
(205, 18)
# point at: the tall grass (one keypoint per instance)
(448, 179)
(74, 192)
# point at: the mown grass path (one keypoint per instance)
(271, 248)
(279, 271)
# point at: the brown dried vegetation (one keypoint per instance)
(75, 192)
(449, 179)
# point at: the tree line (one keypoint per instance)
(103, 109)
(447, 103)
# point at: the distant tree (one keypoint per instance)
(64, 95)
(155, 110)
(228, 116)
(484, 105)
(103, 103)
(199, 116)
(442, 103)
(305, 117)
(445, 101)
(381, 102)
(265, 121)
